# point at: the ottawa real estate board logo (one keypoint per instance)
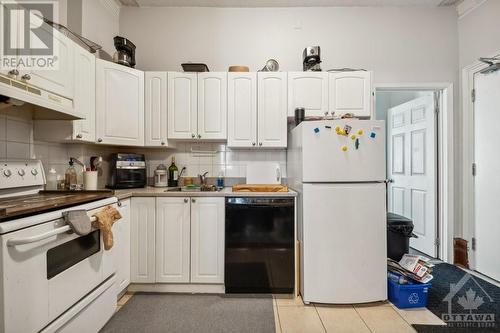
(27, 41)
(469, 305)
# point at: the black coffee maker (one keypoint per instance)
(125, 52)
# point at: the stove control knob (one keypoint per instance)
(21, 172)
(34, 172)
(7, 173)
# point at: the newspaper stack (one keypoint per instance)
(411, 266)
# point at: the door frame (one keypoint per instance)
(468, 220)
(445, 158)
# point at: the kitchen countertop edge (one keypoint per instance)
(226, 192)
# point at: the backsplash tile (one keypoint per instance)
(16, 141)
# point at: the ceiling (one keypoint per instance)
(286, 3)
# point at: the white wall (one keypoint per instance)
(100, 22)
(400, 44)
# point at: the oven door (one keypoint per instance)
(43, 278)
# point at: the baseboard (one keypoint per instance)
(177, 288)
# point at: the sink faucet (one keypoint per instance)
(203, 178)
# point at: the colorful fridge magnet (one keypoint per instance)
(353, 137)
(373, 135)
(344, 148)
(347, 129)
(316, 130)
(356, 144)
(360, 132)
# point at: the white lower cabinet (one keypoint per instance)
(142, 240)
(172, 240)
(207, 240)
(121, 246)
(177, 240)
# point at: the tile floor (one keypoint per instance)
(292, 315)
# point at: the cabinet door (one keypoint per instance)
(119, 104)
(212, 105)
(308, 90)
(272, 109)
(182, 105)
(207, 240)
(351, 92)
(155, 95)
(142, 242)
(60, 79)
(172, 240)
(121, 247)
(242, 110)
(84, 97)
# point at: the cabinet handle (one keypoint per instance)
(193, 200)
(14, 72)
(186, 200)
(99, 140)
(26, 77)
(199, 136)
(79, 136)
(192, 135)
(260, 143)
(119, 203)
(253, 143)
(163, 143)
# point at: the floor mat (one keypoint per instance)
(465, 302)
(172, 313)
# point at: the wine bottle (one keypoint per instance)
(173, 174)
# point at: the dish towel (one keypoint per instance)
(79, 221)
(104, 221)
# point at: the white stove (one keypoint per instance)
(53, 279)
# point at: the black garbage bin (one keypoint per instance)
(399, 232)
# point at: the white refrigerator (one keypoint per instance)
(338, 168)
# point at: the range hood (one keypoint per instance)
(46, 105)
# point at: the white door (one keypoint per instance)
(142, 240)
(60, 80)
(119, 104)
(182, 105)
(212, 105)
(84, 97)
(308, 90)
(155, 95)
(272, 109)
(121, 246)
(351, 92)
(207, 240)
(345, 226)
(172, 240)
(411, 152)
(487, 179)
(242, 110)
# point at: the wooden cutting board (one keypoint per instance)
(260, 188)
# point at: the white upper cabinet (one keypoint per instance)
(119, 104)
(142, 240)
(182, 105)
(84, 97)
(308, 90)
(351, 92)
(173, 239)
(242, 109)
(272, 109)
(207, 240)
(155, 95)
(59, 80)
(212, 105)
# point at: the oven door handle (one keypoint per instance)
(37, 238)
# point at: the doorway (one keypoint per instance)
(412, 155)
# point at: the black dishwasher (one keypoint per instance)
(259, 256)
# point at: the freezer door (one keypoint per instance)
(329, 156)
(344, 243)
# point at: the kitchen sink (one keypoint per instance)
(207, 188)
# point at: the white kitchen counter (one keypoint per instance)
(226, 192)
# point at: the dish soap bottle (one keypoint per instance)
(70, 177)
(173, 174)
(220, 179)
